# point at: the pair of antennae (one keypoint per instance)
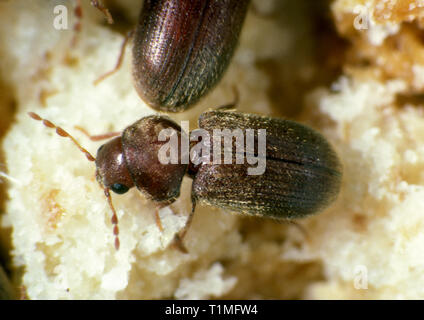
(61, 132)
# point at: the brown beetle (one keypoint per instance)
(182, 48)
(302, 174)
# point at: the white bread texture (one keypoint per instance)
(366, 245)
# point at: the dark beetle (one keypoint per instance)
(182, 48)
(302, 173)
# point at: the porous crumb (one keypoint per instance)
(205, 284)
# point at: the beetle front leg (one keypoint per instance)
(179, 237)
(118, 65)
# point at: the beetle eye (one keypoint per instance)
(119, 188)
(101, 147)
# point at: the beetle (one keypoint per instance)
(181, 49)
(301, 177)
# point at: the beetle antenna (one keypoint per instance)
(97, 137)
(114, 219)
(103, 9)
(61, 132)
(78, 12)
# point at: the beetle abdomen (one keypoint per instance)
(302, 174)
(182, 48)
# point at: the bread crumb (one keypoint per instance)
(205, 284)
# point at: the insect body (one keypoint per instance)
(301, 177)
(302, 174)
(182, 48)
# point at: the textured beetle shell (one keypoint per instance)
(302, 176)
(182, 48)
(160, 182)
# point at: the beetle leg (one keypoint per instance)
(233, 105)
(158, 220)
(118, 65)
(179, 237)
(177, 242)
(302, 230)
